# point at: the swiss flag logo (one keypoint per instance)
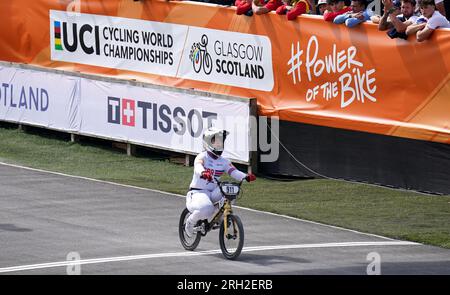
(128, 112)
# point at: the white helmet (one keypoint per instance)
(214, 140)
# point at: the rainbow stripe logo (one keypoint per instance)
(196, 55)
(57, 26)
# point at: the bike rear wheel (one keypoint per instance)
(231, 242)
(189, 243)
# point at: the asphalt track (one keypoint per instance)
(118, 229)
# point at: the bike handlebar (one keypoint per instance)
(220, 182)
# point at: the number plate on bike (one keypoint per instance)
(230, 189)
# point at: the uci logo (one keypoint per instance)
(77, 37)
(200, 57)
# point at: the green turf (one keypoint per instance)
(388, 212)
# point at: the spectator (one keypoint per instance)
(395, 22)
(336, 7)
(322, 6)
(259, 8)
(294, 8)
(357, 15)
(244, 7)
(430, 20)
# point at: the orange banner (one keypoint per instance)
(307, 70)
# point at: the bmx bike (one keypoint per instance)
(231, 233)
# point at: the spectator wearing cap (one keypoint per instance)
(430, 20)
(395, 22)
(294, 8)
(359, 13)
(335, 8)
(322, 6)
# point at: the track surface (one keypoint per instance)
(125, 230)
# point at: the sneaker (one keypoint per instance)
(249, 13)
(189, 229)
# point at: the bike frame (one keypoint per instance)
(225, 210)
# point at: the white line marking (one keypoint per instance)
(91, 179)
(182, 196)
(200, 253)
(318, 223)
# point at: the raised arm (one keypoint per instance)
(385, 24)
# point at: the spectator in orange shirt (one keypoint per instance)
(337, 7)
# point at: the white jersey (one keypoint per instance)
(437, 20)
(218, 167)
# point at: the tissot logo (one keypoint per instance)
(158, 117)
(79, 35)
(121, 111)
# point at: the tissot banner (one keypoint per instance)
(162, 118)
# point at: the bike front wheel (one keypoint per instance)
(232, 241)
(189, 243)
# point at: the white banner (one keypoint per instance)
(159, 117)
(39, 98)
(230, 58)
(186, 52)
(116, 42)
(162, 118)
